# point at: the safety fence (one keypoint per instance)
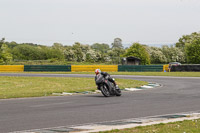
(82, 68)
(185, 68)
(91, 68)
(11, 68)
(47, 68)
(140, 68)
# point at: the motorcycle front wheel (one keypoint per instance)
(105, 91)
(118, 92)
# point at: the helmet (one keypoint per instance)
(97, 71)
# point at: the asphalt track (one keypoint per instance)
(177, 94)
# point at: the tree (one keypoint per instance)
(79, 55)
(115, 55)
(139, 51)
(31, 52)
(189, 44)
(187, 39)
(173, 54)
(102, 52)
(5, 55)
(12, 44)
(103, 48)
(24, 52)
(58, 46)
(117, 43)
(93, 56)
(69, 53)
(193, 51)
(55, 54)
(156, 55)
(2, 41)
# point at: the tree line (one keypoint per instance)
(186, 50)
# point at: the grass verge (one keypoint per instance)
(186, 126)
(17, 87)
(176, 74)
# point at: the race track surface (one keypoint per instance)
(177, 94)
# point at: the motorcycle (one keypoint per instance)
(106, 87)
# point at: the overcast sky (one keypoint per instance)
(90, 21)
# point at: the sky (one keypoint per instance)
(45, 22)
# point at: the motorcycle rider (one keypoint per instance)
(106, 76)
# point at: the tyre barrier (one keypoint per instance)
(82, 68)
(47, 68)
(11, 68)
(140, 68)
(91, 68)
(185, 68)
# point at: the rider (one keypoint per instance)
(106, 76)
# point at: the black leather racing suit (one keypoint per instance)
(107, 76)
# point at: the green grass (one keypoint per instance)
(187, 126)
(16, 87)
(176, 74)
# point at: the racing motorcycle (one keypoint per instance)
(106, 87)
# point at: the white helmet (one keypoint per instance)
(97, 71)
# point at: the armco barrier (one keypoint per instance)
(47, 68)
(186, 68)
(11, 68)
(140, 68)
(91, 68)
